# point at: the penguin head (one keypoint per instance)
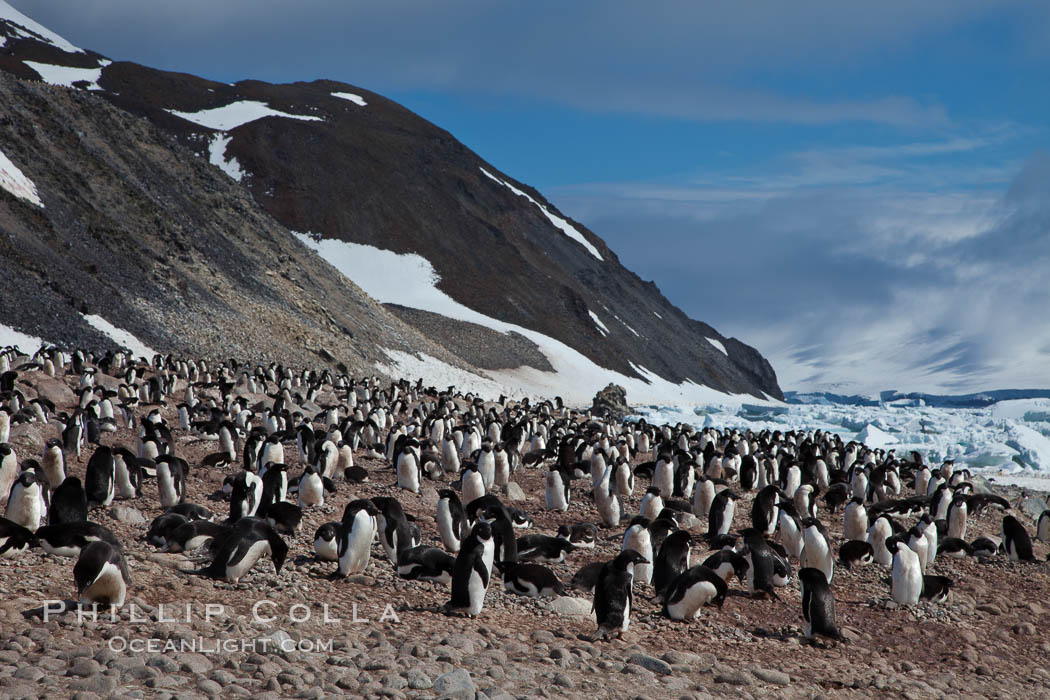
(628, 558)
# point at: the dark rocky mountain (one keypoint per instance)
(347, 164)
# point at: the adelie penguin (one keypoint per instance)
(761, 564)
(723, 508)
(68, 503)
(818, 605)
(99, 482)
(817, 552)
(1016, 542)
(14, 539)
(614, 594)
(472, 572)
(312, 488)
(855, 552)
(557, 490)
(543, 549)
(27, 503)
(424, 563)
(356, 532)
(193, 535)
(693, 589)
(671, 559)
(396, 533)
(640, 540)
(727, 564)
(101, 575)
(532, 580)
(171, 480)
(451, 520)
(247, 541)
(580, 535)
(326, 541)
(906, 577)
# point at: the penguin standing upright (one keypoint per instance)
(878, 533)
(1016, 541)
(505, 544)
(652, 503)
(761, 564)
(27, 504)
(1042, 528)
(817, 552)
(171, 480)
(957, 512)
(8, 470)
(54, 463)
(98, 479)
(68, 503)
(723, 507)
(127, 475)
(101, 575)
(312, 487)
(855, 520)
(671, 560)
(638, 538)
(473, 485)
(818, 604)
(357, 530)
(396, 533)
(790, 534)
(906, 578)
(472, 571)
(614, 594)
(609, 505)
(407, 465)
(764, 510)
(703, 495)
(451, 520)
(557, 490)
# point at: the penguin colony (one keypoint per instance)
(679, 545)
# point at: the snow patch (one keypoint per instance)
(24, 342)
(718, 345)
(575, 377)
(236, 114)
(873, 436)
(120, 336)
(356, 99)
(217, 156)
(598, 322)
(14, 16)
(65, 76)
(15, 181)
(559, 223)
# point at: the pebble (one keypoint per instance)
(731, 676)
(653, 664)
(455, 684)
(772, 676)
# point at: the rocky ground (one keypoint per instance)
(988, 640)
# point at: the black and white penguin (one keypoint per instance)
(101, 575)
(127, 474)
(791, 532)
(68, 503)
(703, 496)
(614, 594)
(816, 551)
(361, 521)
(818, 604)
(983, 547)
(171, 479)
(1016, 541)
(691, 590)
(936, 588)
(451, 520)
(274, 485)
(27, 503)
(54, 463)
(532, 580)
(906, 576)
(957, 512)
(245, 496)
(557, 491)
(192, 511)
(652, 503)
(312, 487)
(1042, 527)
(671, 559)
(506, 543)
(855, 520)
(162, 526)
(543, 549)
(953, 547)
(14, 539)
(855, 552)
(638, 538)
(193, 535)
(761, 564)
(326, 541)
(396, 533)
(727, 564)
(580, 535)
(723, 507)
(424, 563)
(472, 571)
(285, 517)
(99, 478)
(764, 509)
(878, 533)
(247, 541)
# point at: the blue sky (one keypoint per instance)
(857, 189)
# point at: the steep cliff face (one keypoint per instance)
(348, 165)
